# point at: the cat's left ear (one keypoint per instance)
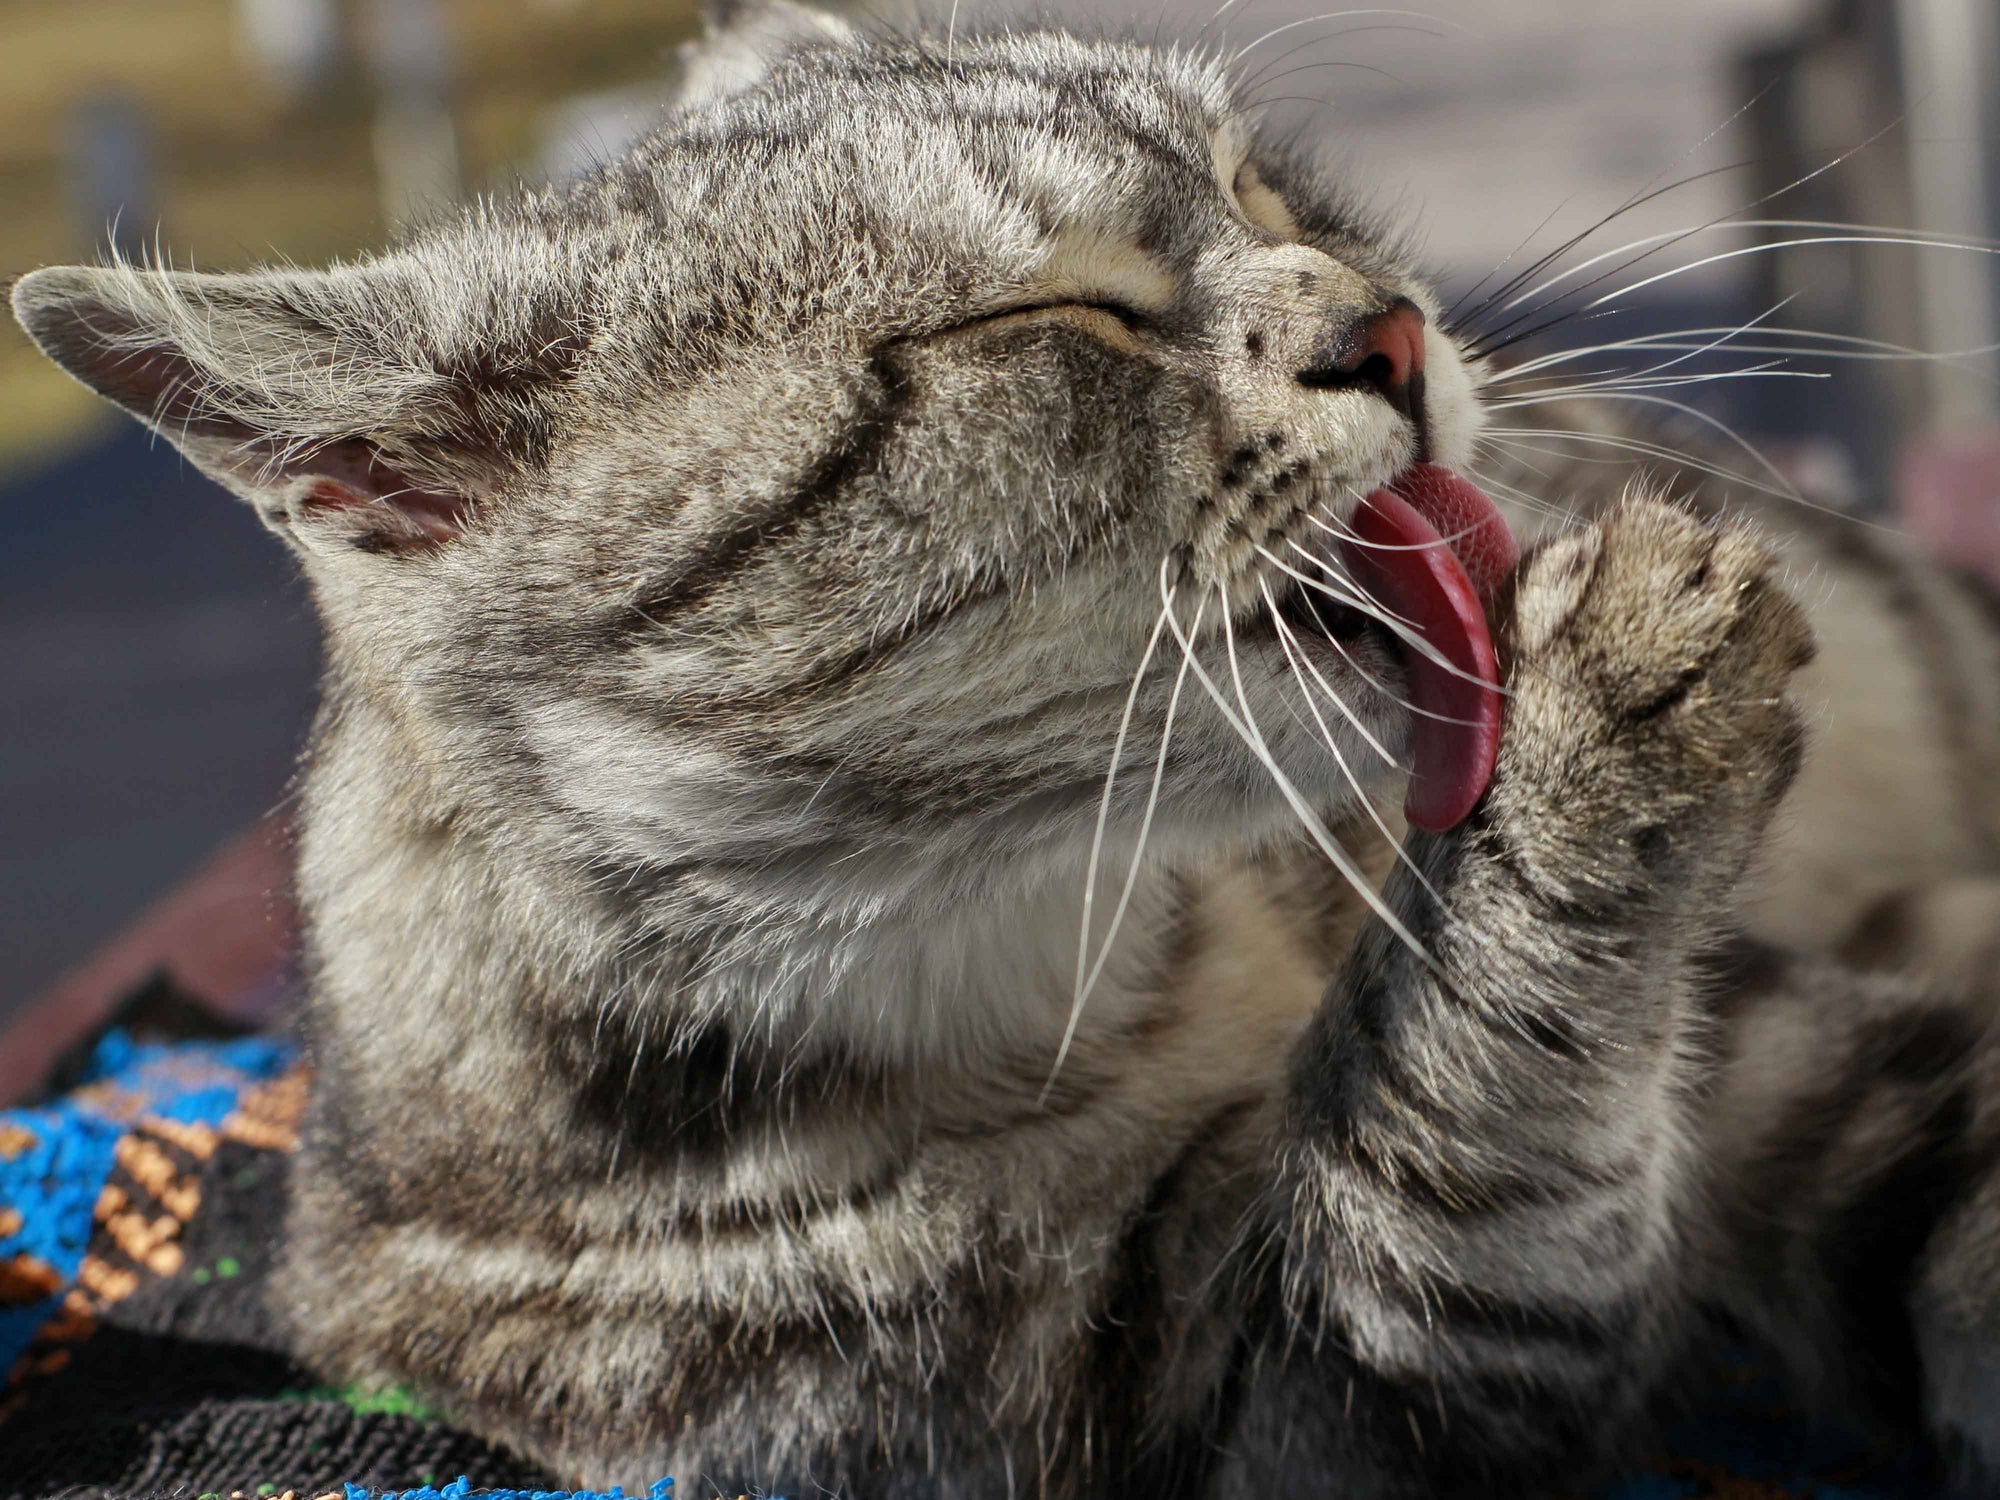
(745, 39)
(353, 408)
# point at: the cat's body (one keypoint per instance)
(731, 596)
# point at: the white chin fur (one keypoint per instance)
(1451, 406)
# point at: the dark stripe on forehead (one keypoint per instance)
(853, 453)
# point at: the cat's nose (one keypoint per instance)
(1382, 352)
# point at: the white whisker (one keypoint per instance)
(1724, 336)
(1380, 749)
(1516, 439)
(1645, 193)
(1786, 487)
(1520, 496)
(1920, 242)
(1296, 657)
(1088, 982)
(1787, 490)
(1332, 15)
(1770, 370)
(1395, 623)
(1354, 539)
(1360, 671)
(1246, 728)
(1812, 344)
(1104, 801)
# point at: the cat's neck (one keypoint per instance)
(425, 905)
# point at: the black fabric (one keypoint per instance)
(219, 1445)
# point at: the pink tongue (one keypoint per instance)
(1429, 548)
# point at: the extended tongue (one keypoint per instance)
(1427, 549)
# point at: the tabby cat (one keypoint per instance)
(739, 569)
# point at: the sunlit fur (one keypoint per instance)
(786, 588)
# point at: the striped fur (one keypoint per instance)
(738, 569)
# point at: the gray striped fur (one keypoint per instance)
(734, 566)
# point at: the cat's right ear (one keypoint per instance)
(354, 413)
(745, 39)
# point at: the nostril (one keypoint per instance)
(1381, 372)
(1383, 352)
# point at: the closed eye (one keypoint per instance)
(1124, 312)
(1107, 318)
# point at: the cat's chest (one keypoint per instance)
(1260, 945)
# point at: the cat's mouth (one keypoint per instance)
(1429, 550)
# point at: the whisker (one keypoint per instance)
(1220, 11)
(1339, 702)
(1335, 15)
(1337, 586)
(1860, 234)
(1871, 350)
(1521, 497)
(1733, 217)
(1104, 801)
(1770, 370)
(1247, 730)
(1367, 604)
(1262, 75)
(1356, 668)
(1330, 63)
(1787, 489)
(1087, 983)
(1724, 337)
(1922, 242)
(1296, 657)
(1623, 443)
(1641, 195)
(1352, 538)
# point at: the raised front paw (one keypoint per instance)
(1648, 733)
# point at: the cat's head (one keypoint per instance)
(798, 494)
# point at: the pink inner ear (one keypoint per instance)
(440, 517)
(436, 517)
(352, 478)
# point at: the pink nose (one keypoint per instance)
(1384, 352)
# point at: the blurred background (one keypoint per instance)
(157, 658)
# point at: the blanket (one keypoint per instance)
(139, 1211)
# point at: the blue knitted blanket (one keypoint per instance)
(137, 1216)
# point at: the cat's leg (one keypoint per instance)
(1482, 1251)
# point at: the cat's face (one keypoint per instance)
(801, 493)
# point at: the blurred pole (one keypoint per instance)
(111, 171)
(1950, 49)
(416, 144)
(1823, 89)
(295, 44)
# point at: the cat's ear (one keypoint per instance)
(745, 38)
(329, 400)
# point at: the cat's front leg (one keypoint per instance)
(1479, 1251)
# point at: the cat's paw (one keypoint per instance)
(1648, 735)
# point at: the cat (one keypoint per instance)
(738, 570)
